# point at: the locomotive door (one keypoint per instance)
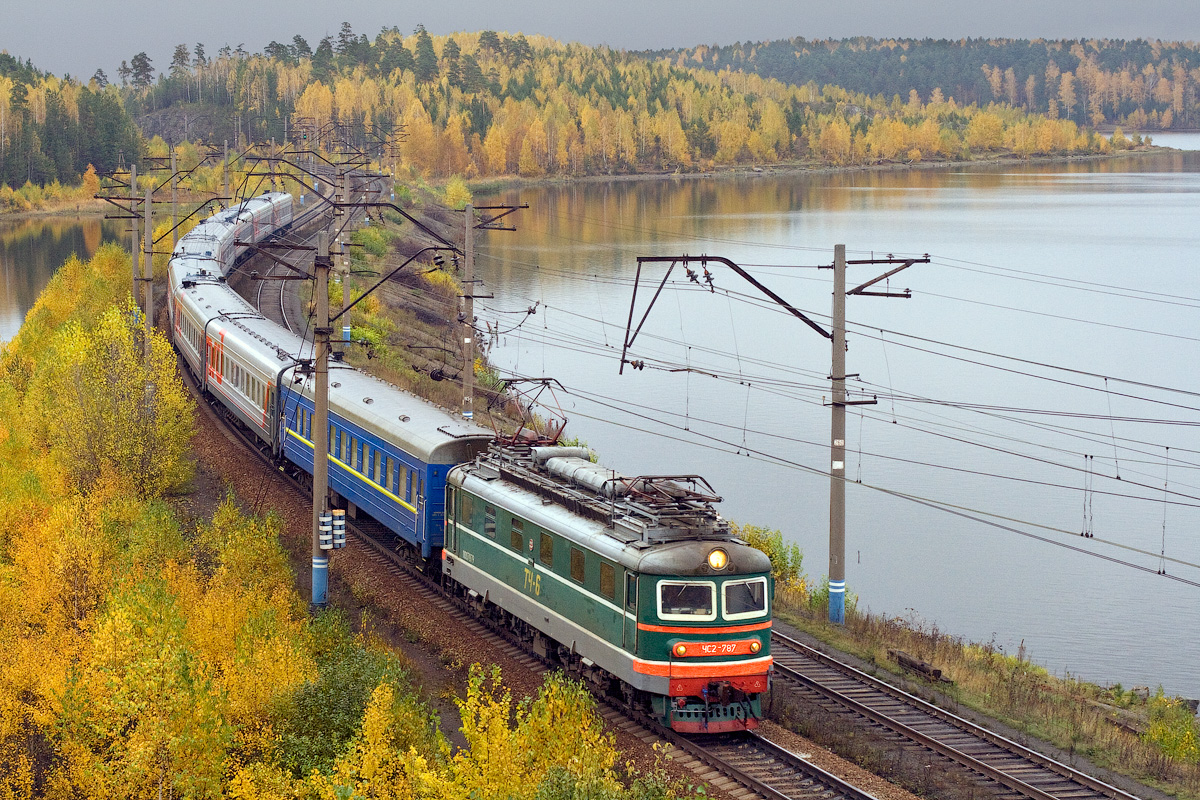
(630, 625)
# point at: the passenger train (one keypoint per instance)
(633, 583)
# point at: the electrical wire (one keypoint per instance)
(721, 445)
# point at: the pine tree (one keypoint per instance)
(141, 70)
(426, 60)
(300, 48)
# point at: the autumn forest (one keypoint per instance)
(486, 104)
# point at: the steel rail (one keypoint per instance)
(991, 737)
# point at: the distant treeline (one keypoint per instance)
(491, 104)
(1140, 84)
(52, 128)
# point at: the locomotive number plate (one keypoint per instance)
(708, 649)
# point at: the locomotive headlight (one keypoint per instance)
(681, 650)
(718, 558)
(755, 646)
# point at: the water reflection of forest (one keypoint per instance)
(612, 213)
(32, 249)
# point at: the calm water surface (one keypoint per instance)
(1088, 266)
(32, 249)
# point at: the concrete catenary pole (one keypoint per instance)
(134, 244)
(148, 272)
(343, 196)
(225, 170)
(837, 450)
(468, 321)
(320, 426)
(174, 201)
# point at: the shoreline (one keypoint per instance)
(488, 186)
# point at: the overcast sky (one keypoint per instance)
(77, 36)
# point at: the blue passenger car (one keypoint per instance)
(389, 452)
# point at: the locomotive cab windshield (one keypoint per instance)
(689, 602)
(744, 599)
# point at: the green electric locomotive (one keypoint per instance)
(632, 583)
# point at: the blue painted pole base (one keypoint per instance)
(837, 602)
(320, 581)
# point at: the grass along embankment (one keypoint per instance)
(1144, 735)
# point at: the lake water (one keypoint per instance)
(32, 249)
(1089, 266)
(993, 414)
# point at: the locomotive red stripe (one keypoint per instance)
(696, 629)
(717, 669)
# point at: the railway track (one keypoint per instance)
(1006, 767)
(743, 767)
(274, 303)
(750, 766)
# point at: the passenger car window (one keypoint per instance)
(744, 599)
(687, 601)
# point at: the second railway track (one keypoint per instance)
(1008, 768)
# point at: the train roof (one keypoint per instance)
(425, 430)
(659, 525)
(421, 428)
(201, 241)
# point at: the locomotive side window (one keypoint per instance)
(687, 601)
(744, 599)
(608, 580)
(489, 521)
(546, 549)
(577, 564)
(516, 537)
(631, 592)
